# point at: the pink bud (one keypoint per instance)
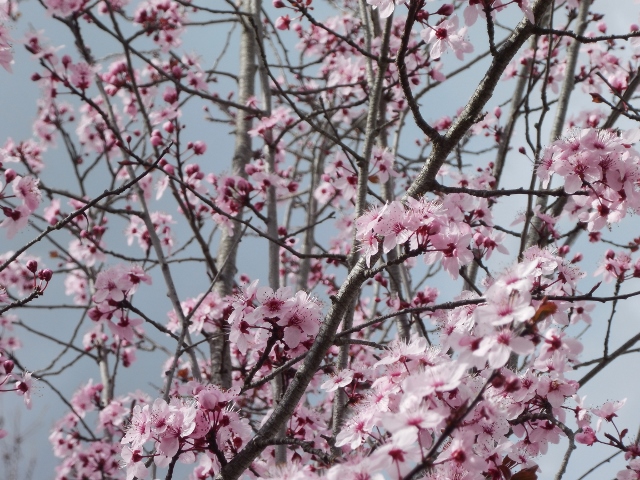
(66, 61)
(170, 95)
(609, 254)
(243, 186)
(32, 266)
(199, 147)
(192, 169)
(168, 127)
(9, 175)
(446, 10)
(156, 140)
(8, 366)
(45, 274)
(278, 4)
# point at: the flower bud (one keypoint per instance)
(169, 169)
(32, 266)
(8, 366)
(10, 175)
(446, 10)
(199, 147)
(45, 274)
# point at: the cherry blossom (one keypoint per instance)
(446, 35)
(406, 328)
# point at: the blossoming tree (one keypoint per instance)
(428, 302)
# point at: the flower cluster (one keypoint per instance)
(113, 288)
(260, 314)
(184, 427)
(162, 20)
(424, 226)
(9, 380)
(340, 179)
(206, 314)
(419, 389)
(601, 164)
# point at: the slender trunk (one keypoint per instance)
(375, 95)
(573, 51)
(277, 384)
(219, 344)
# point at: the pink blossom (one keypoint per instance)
(124, 328)
(26, 188)
(445, 35)
(133, 463)
(497, 348)
(111, 284)
(64, 8)
(503, 308)
(608, 411)
(385, 7)
(555, 340)
(81, 75)
(24, 387)
(586, 437)
(139, 430)
(6, 58)
(452, 247)
(52, 211)
(282, 22)
(356, 431)
(16, 220)
(341, 379)
(403, 352)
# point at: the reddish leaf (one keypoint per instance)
(526, 474)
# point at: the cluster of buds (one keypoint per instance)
(41, 277)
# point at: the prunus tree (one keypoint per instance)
(355, 239)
